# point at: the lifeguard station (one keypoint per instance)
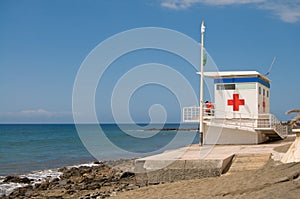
(241, 112)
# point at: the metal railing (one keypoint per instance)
(191, 114)
(236, 120)
(269, 121)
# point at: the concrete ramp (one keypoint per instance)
(247, 162)
(194, 162)
(293, 154)
(154, 171)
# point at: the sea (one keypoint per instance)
(38, 150)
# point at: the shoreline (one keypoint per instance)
(117, 178)
(102, 181)
(16, 183)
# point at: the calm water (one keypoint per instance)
(26, 148)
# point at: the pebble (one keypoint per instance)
(113, 194)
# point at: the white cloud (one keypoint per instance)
(36, 116)
(287, 11)
(38, 112)
(177, 4)
(33, 113)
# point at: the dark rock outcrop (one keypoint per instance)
(99, 181)
(17, 179)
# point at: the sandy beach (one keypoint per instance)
(273, 181)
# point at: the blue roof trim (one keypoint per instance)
(242, 80)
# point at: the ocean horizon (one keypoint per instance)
(26, 148)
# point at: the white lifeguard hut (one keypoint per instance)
(241, 112)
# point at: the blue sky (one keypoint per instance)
(43, 43)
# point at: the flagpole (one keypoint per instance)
(201, 103)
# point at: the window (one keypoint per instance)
(267, 93)
(242, 86)
(225, 86)
(259, 90)
(245, 86)
(264, 92)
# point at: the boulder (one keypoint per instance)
(17, 179)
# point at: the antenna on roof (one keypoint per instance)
(271, 66)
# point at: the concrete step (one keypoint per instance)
(246, 162)
(251, 160)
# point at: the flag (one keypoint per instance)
(204, 57)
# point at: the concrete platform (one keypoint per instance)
(196, 161)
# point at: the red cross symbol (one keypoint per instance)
(236, 102)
